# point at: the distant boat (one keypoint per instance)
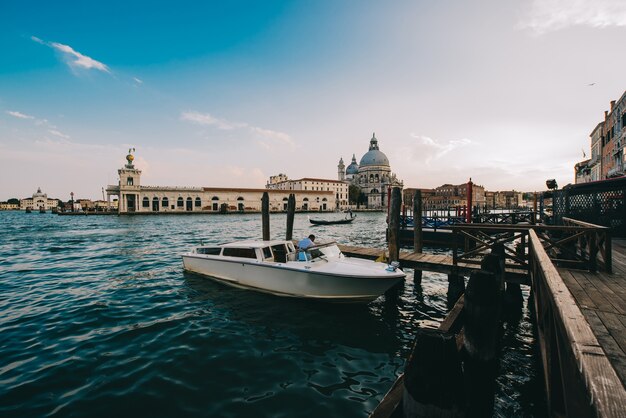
(28, 210)
(42, 210)
(331, 222)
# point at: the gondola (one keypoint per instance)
(337, 222)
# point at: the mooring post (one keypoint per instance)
(433, 379)
(291, 210)
(534, 209)
(265, 216)
(468, 214)
(482, 319)
(417, 231)
(394, 224)
(456, 286)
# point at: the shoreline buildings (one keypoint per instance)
(607, 147)
(135, 198)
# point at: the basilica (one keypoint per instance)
(372, 176)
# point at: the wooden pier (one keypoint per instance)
(578, 280)
(437, 263)
(581, 321)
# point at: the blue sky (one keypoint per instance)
(229, 93)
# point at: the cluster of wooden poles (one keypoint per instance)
(451, 370)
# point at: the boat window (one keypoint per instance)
(267, 253)
(280, 253)
(240, 252)
(209, 251)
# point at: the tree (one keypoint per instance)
(354, 192)
(13, 201)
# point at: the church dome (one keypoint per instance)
(353, 168)
(374, 156)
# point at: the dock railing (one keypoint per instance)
(596, 244)
(578, 244)
(580, 381)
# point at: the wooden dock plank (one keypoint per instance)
(601, 297)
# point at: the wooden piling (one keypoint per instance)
(468, 213)
(291, 210)
(417, 231)
(482, 322)
(456, 286)
(265, 216)
(394, 224)
(433, 378)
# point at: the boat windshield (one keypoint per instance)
(331, 251)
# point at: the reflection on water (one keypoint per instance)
(99, 319)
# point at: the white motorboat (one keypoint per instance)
(276, 267)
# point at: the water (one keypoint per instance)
(97, 318)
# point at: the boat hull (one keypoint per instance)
(294, 279)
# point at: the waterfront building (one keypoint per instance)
(408, 195)
(451, 195)
(595, 164)
(38, 201)
(9, 206)
(133, 197)
(608, 159)
(337, 187)
(372, 176)
(582, 172)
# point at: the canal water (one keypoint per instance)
(97, 318)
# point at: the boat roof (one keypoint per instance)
(252, 244)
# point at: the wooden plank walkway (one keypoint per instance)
(601, 297)
(438, 263)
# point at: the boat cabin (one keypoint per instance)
(270, 251)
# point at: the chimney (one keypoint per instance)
(612, 104)
(606, 114)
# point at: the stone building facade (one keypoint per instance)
(372, 176)
(39, 201)
(338, 188)
(134, 198)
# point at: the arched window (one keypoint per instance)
(189, 205)
(145, 202)
(165, 202)
(180, 202)
(240, 204)
(215, 206)
(198, 202)
(129, 181)
(155, 204)
(285, 203)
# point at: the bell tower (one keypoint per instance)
(130, 182)
(341, 170)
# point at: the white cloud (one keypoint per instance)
(19, 115)
(279, 137)
(435, 150)
(59, 134)
(208, 120)
(74, 58)
(269, 138)
(138, 80)
(551, 15)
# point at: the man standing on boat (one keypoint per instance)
(307, 242)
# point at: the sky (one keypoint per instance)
(228, 93)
